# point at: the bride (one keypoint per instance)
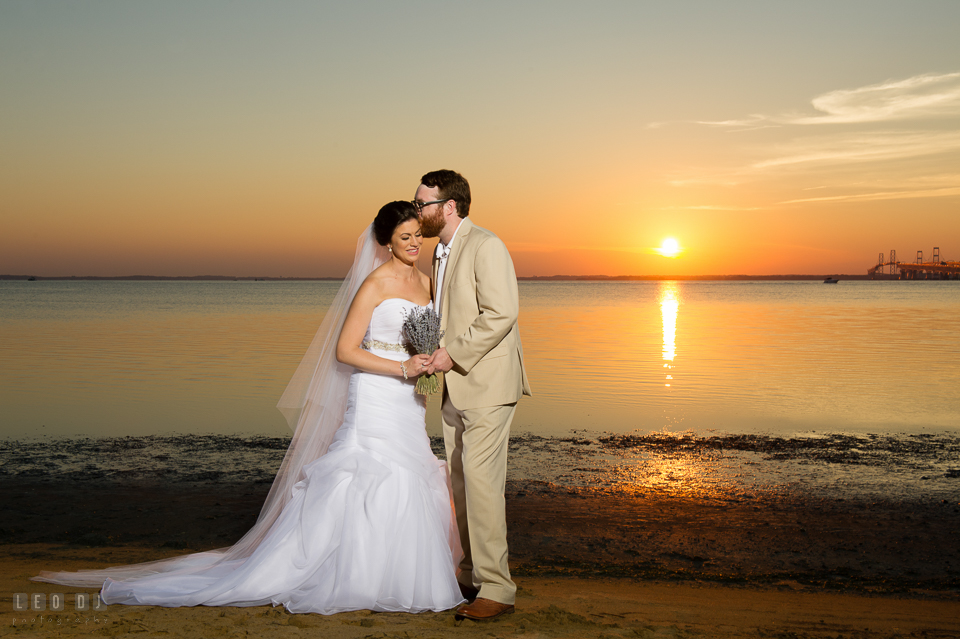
(359, 515)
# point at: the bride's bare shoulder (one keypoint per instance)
(379, 277)
(425, 281)
(382, 284)
(374, 287)
(380, 272)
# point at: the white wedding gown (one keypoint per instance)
(369, 525)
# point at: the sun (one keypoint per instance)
(669, 248)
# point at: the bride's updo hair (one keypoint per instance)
(390, 217)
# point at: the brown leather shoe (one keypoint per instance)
(483, 609)
(468, 592)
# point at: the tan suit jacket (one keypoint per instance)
(480, 306)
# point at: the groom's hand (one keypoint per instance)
(439, 361)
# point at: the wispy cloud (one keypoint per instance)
(882, 195)
(750, 123)
(900, 183)
(712, 207)
(703, 181)
(747, 121)
(862, 147)
(910, 131)
(922, 96)
(533, 247)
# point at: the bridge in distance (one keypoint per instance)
(935, 269)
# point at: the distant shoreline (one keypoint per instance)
(705, 278)
(534, 278)
(167, 278)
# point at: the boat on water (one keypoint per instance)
(831, 280)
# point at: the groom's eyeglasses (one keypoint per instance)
(417, 204)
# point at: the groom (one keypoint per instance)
(475, 292)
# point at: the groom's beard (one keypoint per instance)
(432, 225)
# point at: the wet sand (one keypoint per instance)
(546, 607)
(739, 547)
(589, 563)
(804, 544)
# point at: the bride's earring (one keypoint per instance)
(390, 248)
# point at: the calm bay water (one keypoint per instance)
(141, 358)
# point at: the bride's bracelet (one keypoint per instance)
(403, 369)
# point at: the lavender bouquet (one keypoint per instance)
(421, 327)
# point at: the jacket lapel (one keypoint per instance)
(455, 252)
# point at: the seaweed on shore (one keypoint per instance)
(715, 467)
(870, 450)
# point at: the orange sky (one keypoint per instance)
(242, 139)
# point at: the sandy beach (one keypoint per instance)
(599, 607)
(589, 562)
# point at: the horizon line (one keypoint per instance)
(658, 277)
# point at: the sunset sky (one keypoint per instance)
(259, 139)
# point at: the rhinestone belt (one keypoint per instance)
(383, 346)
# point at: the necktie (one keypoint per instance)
(443, 252)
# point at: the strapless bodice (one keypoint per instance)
(386, 324)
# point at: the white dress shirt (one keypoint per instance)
(443, 252)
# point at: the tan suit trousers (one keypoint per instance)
(476, 441)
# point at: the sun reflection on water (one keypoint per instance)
(702, 476)
(669, 308)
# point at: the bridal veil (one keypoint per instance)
(313, 403)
